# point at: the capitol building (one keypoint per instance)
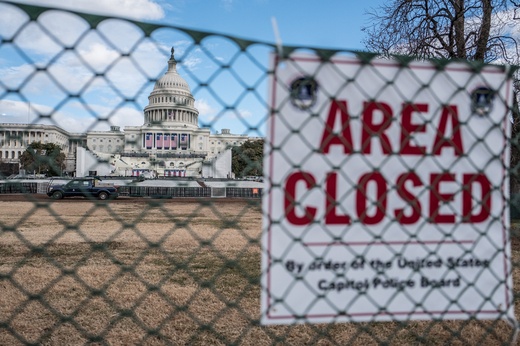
(169, 143)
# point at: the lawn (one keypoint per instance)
(158, 272)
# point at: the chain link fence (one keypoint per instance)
(168, 271)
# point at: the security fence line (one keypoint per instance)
(189, 272)
(148, 191)
(19, 188)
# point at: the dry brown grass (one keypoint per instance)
(166, 272)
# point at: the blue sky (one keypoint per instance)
(329, 23)
(326, 24)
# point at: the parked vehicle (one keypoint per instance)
(86, 187)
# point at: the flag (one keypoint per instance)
(184, 141)
(148, 141)
(174, 141)
(166, 141)
(159, 141)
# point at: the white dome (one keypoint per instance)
(171, 103)
(172, 79)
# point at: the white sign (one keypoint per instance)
(386, 193)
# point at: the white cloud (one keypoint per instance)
(191, 63)
(14, 76)
(227, 4)
(135, 9)
(55, 31)
(206, 111)
(512, 29)
(98, 56)
(152, 57)
(503, 24)
(93, 52)
(208, 114)
(127, 116)
(13, 111)
(73, 74)
(244, 113)
(18, 112)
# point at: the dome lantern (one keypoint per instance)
(172, 79)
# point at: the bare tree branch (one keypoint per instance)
(465, 29)
(482, 30)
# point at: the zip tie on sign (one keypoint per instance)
(277, 37)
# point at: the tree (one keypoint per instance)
(43, 158)
(247, 159)
(478, 30)
(8, 168)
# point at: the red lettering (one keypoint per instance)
(436, 197)
(380, 200)
(448, 130)
(449, 113)
(409, 198)
(408, 128)
(290, 199)
(331, 216)
(329, 137)
(372, 198)
(371, 129)
(484, 198)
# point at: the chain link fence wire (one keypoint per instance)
(147, 271)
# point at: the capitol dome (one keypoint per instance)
(172, 79)
(171, 102)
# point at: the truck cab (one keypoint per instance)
(83, 187)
